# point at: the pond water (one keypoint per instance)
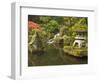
(54, 56)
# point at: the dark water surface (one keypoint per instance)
(53, 56)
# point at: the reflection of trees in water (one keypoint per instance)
(53, 56)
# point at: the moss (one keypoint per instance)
(75, 51)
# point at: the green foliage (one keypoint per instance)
(49, 23)
(37, 38)
(63, 30)
(52, 25)
(44, 19)
(80, 25)
(67, 40)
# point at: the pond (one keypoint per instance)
(54, 56)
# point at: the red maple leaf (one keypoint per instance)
(33, 25)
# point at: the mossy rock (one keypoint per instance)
(79, 52)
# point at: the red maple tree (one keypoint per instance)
(33, 25)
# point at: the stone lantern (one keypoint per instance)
(80, 39)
